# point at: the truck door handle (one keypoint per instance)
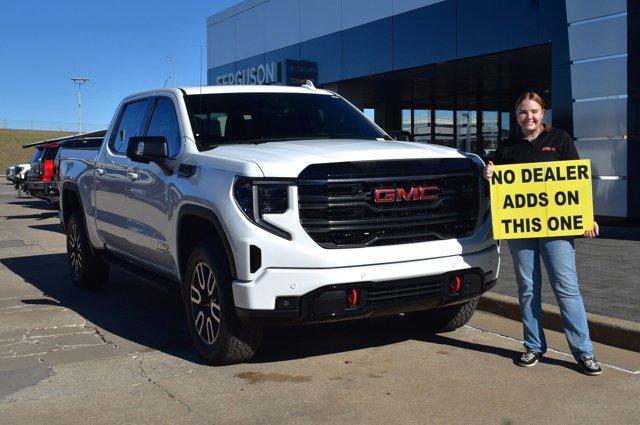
(132, 176)
(100, 171)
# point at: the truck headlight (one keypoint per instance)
(257, 197)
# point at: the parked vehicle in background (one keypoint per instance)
(16, 173)
(42, 179)
(10, 173)
(40, 183)
(277, 205)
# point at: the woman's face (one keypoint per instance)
(530, 115)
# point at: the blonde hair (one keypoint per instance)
(531, 95)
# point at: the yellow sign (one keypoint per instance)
(541, 199)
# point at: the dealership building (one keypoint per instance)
(449, 71)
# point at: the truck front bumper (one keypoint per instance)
(285, 296)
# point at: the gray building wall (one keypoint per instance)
(598, 52)
(588, 41)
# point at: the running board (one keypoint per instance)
(152, 277)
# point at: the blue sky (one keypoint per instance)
(121, 45)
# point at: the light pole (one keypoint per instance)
(173, 71)
(80, 81)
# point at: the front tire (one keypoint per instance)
(217, 333)
(444, 319)
(87, 269)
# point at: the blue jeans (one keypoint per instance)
(559, 258)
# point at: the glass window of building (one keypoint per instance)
(505, 125)
(489, 131)
(422, 125)
(406, 120)
(444, 128)
(466, 124)
(370, 113)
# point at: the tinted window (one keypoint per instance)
(219, 119)
(50, 153)
(130, 125)
(165, 123)
(36, 155)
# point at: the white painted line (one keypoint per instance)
(621, 369)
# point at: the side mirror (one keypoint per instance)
(148, 149)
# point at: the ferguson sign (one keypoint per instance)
(268, 73)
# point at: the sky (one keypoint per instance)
(121, 45)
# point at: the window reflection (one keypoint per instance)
(444, 128)
(406, 120)
(505, 125)
(489, 131)
(422, 125)
(466, 124)
(370, 113)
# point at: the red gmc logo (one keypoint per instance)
(421, 193)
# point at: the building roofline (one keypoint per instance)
(233, 10)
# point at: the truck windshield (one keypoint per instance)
(237, 118)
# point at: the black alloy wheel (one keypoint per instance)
(74, 249)
(216, 331)
(205, 303)
(88, 269)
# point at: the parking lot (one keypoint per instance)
(121, 354)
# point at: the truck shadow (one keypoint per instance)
(152, 317)
(33, 203)
(124, 307)
(41, 216)
(55, 228)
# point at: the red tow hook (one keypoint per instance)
(456, 284)
(353, 297)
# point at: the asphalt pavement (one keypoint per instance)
(121, 354)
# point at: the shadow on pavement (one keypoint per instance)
(33, 203)
(499, 351)
(149, 316)
(41, 216)
(48, 227)
(125, 307)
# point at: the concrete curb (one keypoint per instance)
(606, 330)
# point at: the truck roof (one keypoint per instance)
(238, 89)
(253, 89)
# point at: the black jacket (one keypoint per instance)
(552, 145)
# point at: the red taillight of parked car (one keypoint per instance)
(47, 170)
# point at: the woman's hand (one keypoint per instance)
(488, 171)
(592, 233)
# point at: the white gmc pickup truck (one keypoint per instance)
(277, 205)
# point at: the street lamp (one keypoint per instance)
(80, 81)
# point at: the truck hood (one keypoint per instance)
(288, 159)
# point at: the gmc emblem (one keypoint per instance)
(421, 193)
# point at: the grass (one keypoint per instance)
(11, 141)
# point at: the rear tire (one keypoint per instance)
(216, 331)
(444, 319)
(87, 269)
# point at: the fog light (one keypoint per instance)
(353, 297)
(456, 285)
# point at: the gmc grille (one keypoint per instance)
(337, 207)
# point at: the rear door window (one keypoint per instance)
(130, 125)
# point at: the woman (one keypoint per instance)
(536, 142)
